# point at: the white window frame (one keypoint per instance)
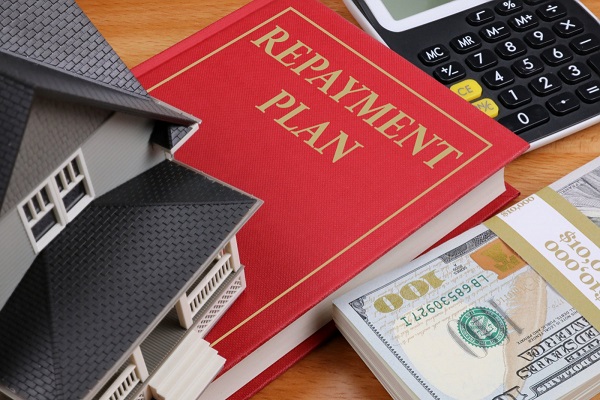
(56, 203)
(67, 169)
(38, 245)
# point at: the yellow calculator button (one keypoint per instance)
(488, 106)
(468, 89)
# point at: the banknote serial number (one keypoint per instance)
(451, 297)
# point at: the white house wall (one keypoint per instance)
(119, 151)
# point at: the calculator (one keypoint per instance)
(533, 65)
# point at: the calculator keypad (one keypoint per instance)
(450, 72)
(480, 17)
(498, 78)
(540, 38)
(511, 48)
(545, 84)
(481, 60)
(563, 104)
(523, 21)
(551, 11)
(515, 97)
(575, 73)
(568, 27)
(495, 31)
(590, 92)
(535, 61)
(528, 66)
(586, 44)
(526, 119)
(557, 55)
(508, 7)
(465, 43)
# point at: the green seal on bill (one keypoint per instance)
(482, 327)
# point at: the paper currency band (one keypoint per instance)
(560, 243)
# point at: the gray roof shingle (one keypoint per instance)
(57, 33)
(113, 271)
(15, 100)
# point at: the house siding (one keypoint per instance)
(119, 151)
(54, 131)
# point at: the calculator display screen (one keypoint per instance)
(400, 9)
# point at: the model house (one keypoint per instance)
(115, 259)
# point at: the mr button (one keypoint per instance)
(470, 90)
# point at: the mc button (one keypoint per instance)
(434, 55)
(468, 89)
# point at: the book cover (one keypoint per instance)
(352, 149)
(302, 349)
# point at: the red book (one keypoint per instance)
(362, 161)
(302, 349)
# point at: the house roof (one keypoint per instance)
(15, 100)
(58, 34)
(111, 274)
(49, 47)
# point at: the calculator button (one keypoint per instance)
(434, 55)
(495, 31)
(526, 119)
(481, 17)
(528, 66)
(557, 55)
(594, 62)
(511, 48)
(563, 103)
(515, 97)
(450, 72)
(590, 92)
(523, 21)
(468, 89)
(534, 2)
(545, 84)
(574, 73)
(488, 106)
(585, 44)
(481, 60)
(568, 27)
(465, 43)
(552, 11)
(506, 7)
(540, 38)
(498, 78)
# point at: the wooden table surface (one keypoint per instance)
(138, 29)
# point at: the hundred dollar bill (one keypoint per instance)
(471, 320)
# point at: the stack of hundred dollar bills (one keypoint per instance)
(453, 325)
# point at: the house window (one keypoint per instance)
(73, 186)
(40, 213)
(57, 201)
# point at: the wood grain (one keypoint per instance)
(139, 29)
